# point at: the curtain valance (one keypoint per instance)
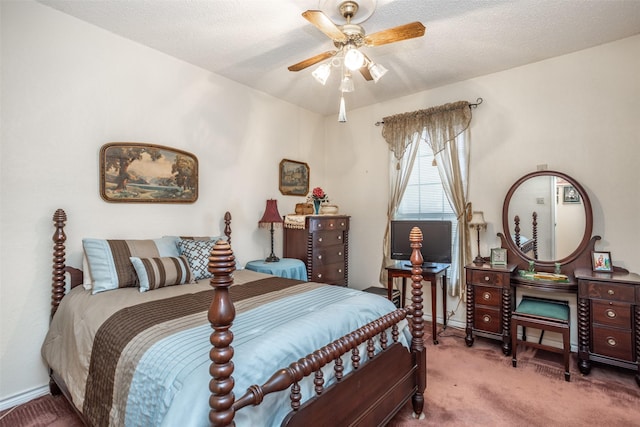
(442, 123)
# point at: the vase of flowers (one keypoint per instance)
(317, 196)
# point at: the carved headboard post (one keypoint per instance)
(221, 315)
(59, 254)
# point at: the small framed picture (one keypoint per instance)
(601, 261)
(570, 194)
(498, 256)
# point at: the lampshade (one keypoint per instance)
(321, 74)
(346, 85)
(376, 71)
(353, 59)
(477, 220)
(271, 214)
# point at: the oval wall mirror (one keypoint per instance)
(547, 218)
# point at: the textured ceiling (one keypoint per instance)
(253, 41)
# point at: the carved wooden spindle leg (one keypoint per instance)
(221, 316)
(516, 229)
(535, 235)
(506, 320)
(417, 322)
(637, 329)
(59, 254)
(355, 358)
(227, 226)
(468, 339)
(584, 326)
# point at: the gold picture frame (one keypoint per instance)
(132, 172)
(294, 178)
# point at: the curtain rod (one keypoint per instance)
(478, 102)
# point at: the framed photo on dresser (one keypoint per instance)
(601, 261)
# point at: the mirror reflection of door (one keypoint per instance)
(561, 217)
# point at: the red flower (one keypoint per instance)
(318, 193)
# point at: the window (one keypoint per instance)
(424, 197)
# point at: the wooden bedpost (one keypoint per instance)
(59, 254)
(227, 226)
(417, 322)
(221, 315)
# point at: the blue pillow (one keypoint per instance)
(109, 263)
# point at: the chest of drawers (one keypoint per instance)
(323, 245)
(489, 303)
(608, 320)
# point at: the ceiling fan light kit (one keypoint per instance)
(348, 38)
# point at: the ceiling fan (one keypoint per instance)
(349, 37)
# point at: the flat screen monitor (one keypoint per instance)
(436, 243)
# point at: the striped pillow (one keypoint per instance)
(109, 263)
(155, 273)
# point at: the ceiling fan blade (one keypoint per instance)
(365, 73)
(324, 24)
(313, 60)
(395, 34)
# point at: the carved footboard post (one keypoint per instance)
(417, 322)
(221, 315)
(59, 254)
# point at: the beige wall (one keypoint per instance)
(577, 114)
(68, 87)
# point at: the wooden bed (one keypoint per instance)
(369, 395)
(527, 246)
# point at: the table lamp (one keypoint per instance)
(271, 216)
(478, 222)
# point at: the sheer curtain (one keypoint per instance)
(447, 133)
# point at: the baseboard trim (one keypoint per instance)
(24, 397)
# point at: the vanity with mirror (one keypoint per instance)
(548, 223)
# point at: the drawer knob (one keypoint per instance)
(319, 256)
(319, 275)
(486, 318)
(611, 314)
(610, 292)
(486, 296)
(339, 237)
(319, 225)
(342, 224)
(331, 225)
(612, 341)
(320, 239)
(486, 278)
(339, 270)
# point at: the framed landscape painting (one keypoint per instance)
(146, 173)
(294, 178)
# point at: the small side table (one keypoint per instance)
(403, 269)
(289, 268)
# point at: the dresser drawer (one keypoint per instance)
(610, 342)
(328, 238)
(323, 255)
(488, 319)
(611, 313)
(489, 278)
(610, 291)
(330, 223)
(485, 295)
(333, 274)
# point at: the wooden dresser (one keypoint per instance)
(323, 245)
(489, 303)
(608, 320)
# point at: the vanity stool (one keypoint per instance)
(546, 315)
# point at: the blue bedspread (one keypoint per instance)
(169, 378)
